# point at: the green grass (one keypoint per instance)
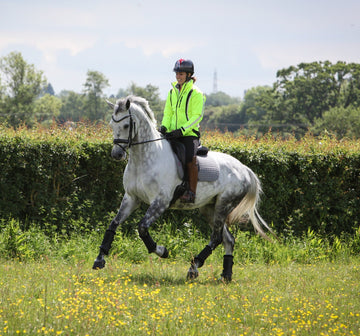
(56, 297)
(303, 286)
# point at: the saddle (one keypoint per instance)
(207, 166)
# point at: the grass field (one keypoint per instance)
(308, 285)
(144, 295)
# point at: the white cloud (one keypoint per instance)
(247, 42)
(49, 43)
(277, 56)
(153, 46)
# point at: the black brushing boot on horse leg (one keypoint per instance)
(198, 262)
(105, 247)
(227, 268)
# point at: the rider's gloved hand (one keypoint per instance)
(174, 134)
(163, 130)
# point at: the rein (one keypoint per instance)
(129, 140)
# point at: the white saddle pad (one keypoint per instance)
(208, 168)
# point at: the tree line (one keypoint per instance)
(318, 97)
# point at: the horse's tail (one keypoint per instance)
(247, 208)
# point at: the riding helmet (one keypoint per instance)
(184, 65)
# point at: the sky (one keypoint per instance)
(137, 41)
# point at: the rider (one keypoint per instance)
(182, 115)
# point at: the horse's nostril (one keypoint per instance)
(118, 153)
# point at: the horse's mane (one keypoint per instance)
(141, 102)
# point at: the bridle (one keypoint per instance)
(132, 127)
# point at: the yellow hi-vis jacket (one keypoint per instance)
(185, 109)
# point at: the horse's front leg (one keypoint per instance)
(128, 205)
(154, 211)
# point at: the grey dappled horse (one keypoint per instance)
(151, 176)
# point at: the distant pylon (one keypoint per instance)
(215, 82)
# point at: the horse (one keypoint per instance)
(152, 176)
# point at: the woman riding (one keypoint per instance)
(182, 115)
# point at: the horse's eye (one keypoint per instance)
(126, 126)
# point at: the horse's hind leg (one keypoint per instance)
(222, 234)
(229, 242)
(216, 239)
(217, 216)
(198, 261)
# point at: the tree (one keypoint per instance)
(231, 118)
(72, 107)
(151, 94)
(220, 99)
(310, 89)
(49, 90)
(21, 84)
(251, 106)
(47, 108)
(303, 93)
(350, 87)
(121, 93)
(342, 121)
(276, 114)
(228, 113)
(95, 83)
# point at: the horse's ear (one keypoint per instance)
(128, 104)
(110, 104)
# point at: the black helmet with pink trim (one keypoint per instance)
(184, 65)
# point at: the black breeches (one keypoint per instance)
(191, 144)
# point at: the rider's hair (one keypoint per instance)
(191, 77)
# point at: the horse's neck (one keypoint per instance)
(152, 152)
(146, 131)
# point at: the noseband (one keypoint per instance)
(129, 140)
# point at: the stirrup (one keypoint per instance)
(188, 197)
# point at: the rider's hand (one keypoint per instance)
(163, 130)
(174, 134)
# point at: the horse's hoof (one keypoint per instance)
(162, 251)
(192, 274)
(166, 253)
(99, 264)
(226, 278)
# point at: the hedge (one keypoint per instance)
(55, 178)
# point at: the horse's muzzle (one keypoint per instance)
(118, 152)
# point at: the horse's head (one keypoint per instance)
(133, 123)
(123, 125)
